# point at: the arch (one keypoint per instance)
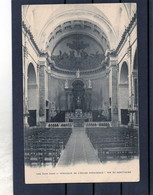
(78, 80)
(77, 83)
(97, 14)
(82, 13)
(94, 28)
(124, 73)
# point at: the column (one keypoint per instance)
(113, 90)
(107, 92)
(25, 81)
(66, 103)
(42, 88)
(69, 101)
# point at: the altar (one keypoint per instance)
(78, 117)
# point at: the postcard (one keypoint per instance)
(80, 93)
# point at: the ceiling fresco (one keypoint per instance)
(78, 52)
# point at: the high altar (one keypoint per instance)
(78, 101)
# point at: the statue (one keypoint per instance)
(89, 84)
(78, 73)
(60, 53)
(66, 84)
(78, 102)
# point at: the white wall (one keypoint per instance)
(6, 184)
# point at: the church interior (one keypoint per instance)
(80, 83)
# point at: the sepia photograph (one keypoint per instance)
(80, 93)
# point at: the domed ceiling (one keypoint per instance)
(77, 52)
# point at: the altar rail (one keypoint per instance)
(97, 124)
(59, 125)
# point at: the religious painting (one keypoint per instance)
(80, 93)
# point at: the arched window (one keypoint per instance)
(124, 94)
(31, 74)
(135, 65)
(124, 73)
(32, 95)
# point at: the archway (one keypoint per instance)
(123, 95)
(32, 95)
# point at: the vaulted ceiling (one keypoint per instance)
(109, 20)
(77, 35)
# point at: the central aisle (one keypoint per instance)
(78, 149)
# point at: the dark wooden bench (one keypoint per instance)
(43, 147)
(114, 143)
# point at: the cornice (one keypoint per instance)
(125, 35)
(27, 30)
(56, 74)
(87, 72)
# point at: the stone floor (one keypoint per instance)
(78, 150)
